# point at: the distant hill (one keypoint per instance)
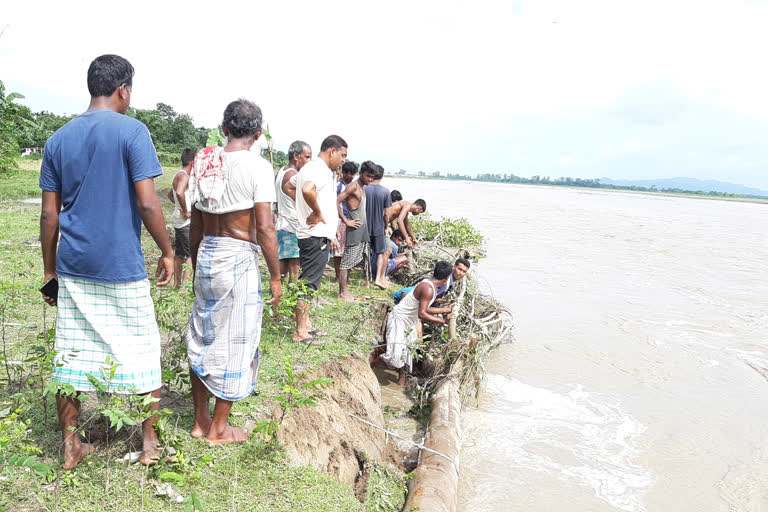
(692, 184)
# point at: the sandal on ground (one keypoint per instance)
(312, 341)
(317, 333)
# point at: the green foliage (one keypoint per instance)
(292, 293)
(295, 395)
(456, 233)
(169, 159)
(34, 135)
(267, 428)
(13, 119)
(387, 489)
(214, 137)
(171, 132)
(15, 462)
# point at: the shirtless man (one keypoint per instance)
(398, 217)
(356, 248)
(230, 217)
(179, 194)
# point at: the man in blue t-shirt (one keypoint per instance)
(97, 181)
(378, 199)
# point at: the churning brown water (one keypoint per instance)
(637, 381)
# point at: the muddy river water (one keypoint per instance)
(637, 380)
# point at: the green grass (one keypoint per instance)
(254, 476)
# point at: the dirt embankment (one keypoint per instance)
(329, 438)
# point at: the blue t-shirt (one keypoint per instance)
(395, 249)
(376, 199)
(94, 161)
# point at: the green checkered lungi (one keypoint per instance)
(96, 321)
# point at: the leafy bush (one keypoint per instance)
(12, 118)
(168, 159)
(457, 233)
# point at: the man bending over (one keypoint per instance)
(401, 322)
(398, 217)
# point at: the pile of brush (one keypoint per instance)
(482, 323)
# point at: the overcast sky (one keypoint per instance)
(640, 89)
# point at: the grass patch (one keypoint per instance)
(253, 476)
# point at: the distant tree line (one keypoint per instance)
(171, 132)
(574, 182)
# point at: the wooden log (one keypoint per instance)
(435, 483)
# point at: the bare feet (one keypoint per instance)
(74, 452)
(150, 454)
(201, 428)
(383, 285)
(228, 436)
(347, 297)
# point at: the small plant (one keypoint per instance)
(294, 395)
(268, 428)
(292, 293)
(16, 462)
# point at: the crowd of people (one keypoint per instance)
(97, 178)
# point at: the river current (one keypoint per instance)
(637, 380)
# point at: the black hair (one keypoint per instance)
(397, 234)
(422, 203)
(107, 73)
(462, 261)
(296, 148)
(349, 167)
(187, 156)
(379, 172)
(442, 270)
(333, 141)
(396, 196)
(369, 167)
(242, 118)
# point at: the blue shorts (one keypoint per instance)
(287, 245)
(390, 266)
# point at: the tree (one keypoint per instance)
(13, 119)
(36, 134)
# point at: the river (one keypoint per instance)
(637, 380)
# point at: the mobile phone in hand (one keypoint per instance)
(51, 288)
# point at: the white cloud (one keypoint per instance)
(455, 86)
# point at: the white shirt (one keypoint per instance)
(317, 172)
(286, 207)
(250, 180)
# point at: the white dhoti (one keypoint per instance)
(225, 325)
(401, 330)
(401, 338)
